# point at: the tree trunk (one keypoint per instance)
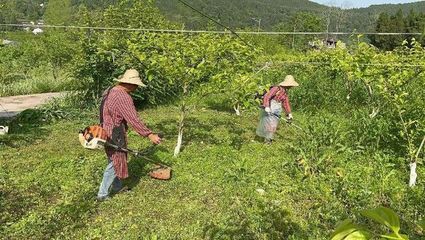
(180, 134)
(413, 174)
(349, 88)
(375, 112)
(55, 75)
(177, 149)
(237, 109)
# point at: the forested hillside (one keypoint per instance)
(240, 13)
(236, 13)
(365, 18)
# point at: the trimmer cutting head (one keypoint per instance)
(161, 173)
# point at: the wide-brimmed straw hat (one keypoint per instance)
(289, 82)
(131, 76)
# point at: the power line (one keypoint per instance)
(205, 15)
(280, 63)
(215, 21)
(236, 33)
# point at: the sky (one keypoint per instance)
(359, 3)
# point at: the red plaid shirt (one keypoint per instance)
(119, 108)
(278, 94)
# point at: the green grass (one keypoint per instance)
(39, 80)
(226, 184)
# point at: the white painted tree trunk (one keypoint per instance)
(413, 175)
(237, 109)
(183, 109)
(374, 113)
(178, 147)
(179, 143)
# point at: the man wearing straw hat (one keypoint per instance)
(273, 102)
(116, 112)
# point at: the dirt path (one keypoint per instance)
(11, 106)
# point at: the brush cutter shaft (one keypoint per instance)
(135, 153)
(296, 126)
(163, 172)
(121, 149)
(95, 137)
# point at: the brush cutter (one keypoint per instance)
(95, 137)
(290, 123)
(287, 121)
(295, 126)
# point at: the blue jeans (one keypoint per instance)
(109, 180)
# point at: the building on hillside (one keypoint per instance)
(330, 43)
(318, 44)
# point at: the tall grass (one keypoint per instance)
(38, 80)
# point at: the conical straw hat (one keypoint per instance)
(289, 82)
(131, 76)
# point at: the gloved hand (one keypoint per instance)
(268, 110)
(289, 118)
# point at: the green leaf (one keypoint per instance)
(151, 77)
(344, 229)
(395, 236)
(359, 235)
(384, 216)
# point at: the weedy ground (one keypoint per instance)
(39, 80)
(226, 183)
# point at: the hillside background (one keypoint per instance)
(237, 14)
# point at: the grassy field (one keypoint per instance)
(37, 81)
(226, 184)
(26, 67)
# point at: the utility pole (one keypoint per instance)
(295, 29)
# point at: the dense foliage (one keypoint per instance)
(238, 14)
(34, 64)
(13, 10)
(384, 88)
(412, 23)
